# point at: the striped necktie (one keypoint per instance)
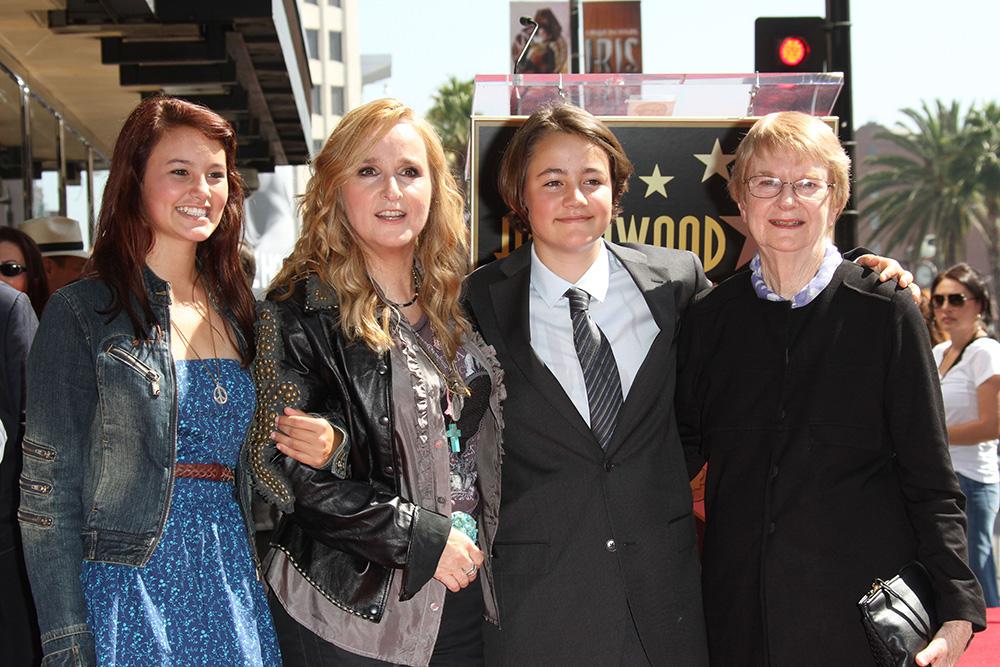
(600, 372)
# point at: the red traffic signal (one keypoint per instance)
(790, 44)
(793, 51)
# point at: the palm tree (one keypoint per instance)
(983, 150)
(451, 118)
(930, 188)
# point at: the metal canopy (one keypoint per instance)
(243, 58)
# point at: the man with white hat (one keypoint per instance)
(61, 243)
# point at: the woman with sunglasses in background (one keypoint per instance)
(969, 366)
(21, 266)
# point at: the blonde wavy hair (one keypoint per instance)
(330, 248)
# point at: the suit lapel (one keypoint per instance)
(510, 299)
(659, 296)
(655, 289)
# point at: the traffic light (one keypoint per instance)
(790, 44)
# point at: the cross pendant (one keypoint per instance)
(453, 435)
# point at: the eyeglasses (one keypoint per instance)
(768, 187)
(954, 300)
(11, 269)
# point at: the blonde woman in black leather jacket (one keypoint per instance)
(363, 344)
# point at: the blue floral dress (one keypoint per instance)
(198, 601)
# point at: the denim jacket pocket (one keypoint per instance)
(149, 374)
(131, 444)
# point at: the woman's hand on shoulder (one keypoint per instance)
(460, 562)
(305, 438)
(947, 646)
(888, 268)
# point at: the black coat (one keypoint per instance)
(19, 634)
(828, 466)
(590, 539)
(17, 328)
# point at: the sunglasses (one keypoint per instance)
(954, 300)
(11, 269)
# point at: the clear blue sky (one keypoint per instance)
(902, 53)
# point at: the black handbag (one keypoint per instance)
(899, 616)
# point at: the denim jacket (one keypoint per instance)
(99, 453)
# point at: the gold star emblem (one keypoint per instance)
(749, 245)
(656, 182)
(715, 162)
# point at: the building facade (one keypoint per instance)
(330, 34)
(72, 70)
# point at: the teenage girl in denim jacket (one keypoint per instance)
(135, 505)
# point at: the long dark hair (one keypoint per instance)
(34, 266)
(124, 237)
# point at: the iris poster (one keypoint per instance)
(612, 37)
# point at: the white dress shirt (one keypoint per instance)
(616, 305)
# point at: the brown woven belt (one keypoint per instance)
(215, 472)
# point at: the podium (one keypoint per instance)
(679, 130)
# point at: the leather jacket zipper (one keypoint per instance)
(151, 375)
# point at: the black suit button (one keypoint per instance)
(383, 420)
(770, 529)
(609, 466)
(610, 545)
(382, 369)
(389, 470)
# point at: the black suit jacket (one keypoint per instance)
(590, 540)
(17, 328)
(19, 636)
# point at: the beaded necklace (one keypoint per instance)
(416, 290)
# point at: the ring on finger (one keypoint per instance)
(472, 570)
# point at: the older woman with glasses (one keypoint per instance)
(969, 366)
(809, 387)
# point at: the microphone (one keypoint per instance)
(526, 21)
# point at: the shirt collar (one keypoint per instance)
(831, 260)
(551, 287)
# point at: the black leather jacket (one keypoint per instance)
(346, 527)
